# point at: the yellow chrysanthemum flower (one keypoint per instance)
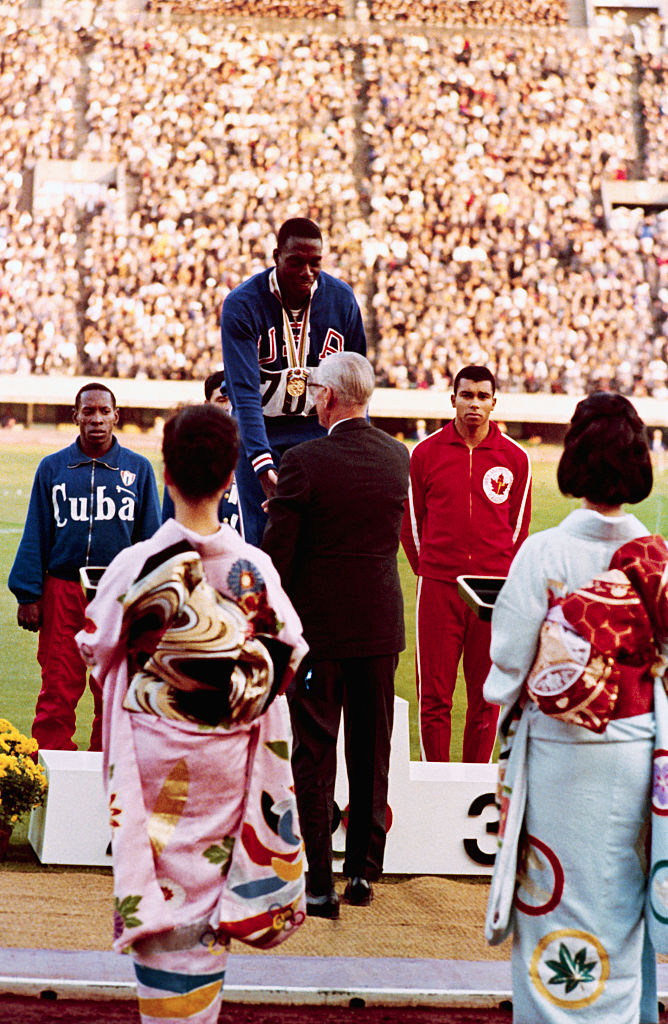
(23, 783)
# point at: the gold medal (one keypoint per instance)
(296, 385)
(296, 350)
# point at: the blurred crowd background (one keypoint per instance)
(453, 153)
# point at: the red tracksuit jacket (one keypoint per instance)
(468, 510)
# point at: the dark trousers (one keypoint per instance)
(251, 497)
(364, 688)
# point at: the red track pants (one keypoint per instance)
(446, 630)
(63, 671)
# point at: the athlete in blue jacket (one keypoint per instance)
(88, 502)
(275, 327)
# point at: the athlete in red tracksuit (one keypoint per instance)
(468, 512)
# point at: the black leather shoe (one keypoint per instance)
(323, 906)
(358, 892)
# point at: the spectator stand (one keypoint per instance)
(457, 174)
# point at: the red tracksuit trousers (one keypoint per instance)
(63, 671)
(448, 629)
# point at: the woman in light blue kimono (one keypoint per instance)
(575, 907)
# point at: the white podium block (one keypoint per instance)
(443, 817)
(73, 825)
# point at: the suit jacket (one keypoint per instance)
(333, 535)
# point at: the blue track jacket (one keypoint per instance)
(83, 511)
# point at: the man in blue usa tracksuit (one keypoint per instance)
(88, 502)
(276, 327)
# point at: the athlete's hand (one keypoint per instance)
(29, 616)
(268, 481)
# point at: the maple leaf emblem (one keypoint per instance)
(499, 485)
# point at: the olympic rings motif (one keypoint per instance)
(211, 938)
(554, 897)
(285, 918)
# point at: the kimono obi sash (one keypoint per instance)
(195, 655)
(598, 646)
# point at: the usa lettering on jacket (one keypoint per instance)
(99, 506)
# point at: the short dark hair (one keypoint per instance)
(606, 456)
(297, 227)
(214, 382)
(475, 373)
(200, 447)
(93, 387)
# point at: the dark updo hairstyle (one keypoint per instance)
(200, 447)
(606, 457)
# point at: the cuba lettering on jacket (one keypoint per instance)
(468, 509)
(83, 511)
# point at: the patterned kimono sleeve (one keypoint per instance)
(518, 614)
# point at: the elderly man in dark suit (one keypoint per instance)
(333, 533)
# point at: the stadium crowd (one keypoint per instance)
(492, 216)
(219, 155)
(39, 292)
(435, 12)
(457, 180)
(253, 8)
(470, 12)
(653, 92)
(39, 283)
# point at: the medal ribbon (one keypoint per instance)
(297, 352)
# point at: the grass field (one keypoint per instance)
(19, 673)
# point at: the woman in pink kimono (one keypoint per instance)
(193, 637)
